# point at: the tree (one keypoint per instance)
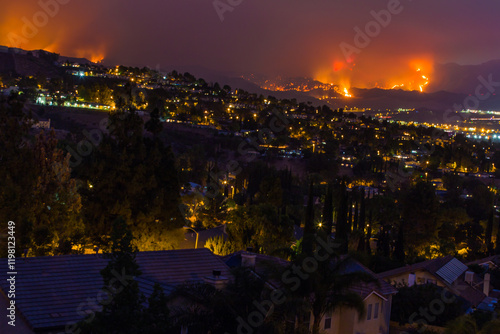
(399, 250)
(462, 325)
(154, 125)
(156, 318)
(57, 224)
(208, 310)
(369, 232)
(133, 177)
(17, 173)
(219, 246)
(489, 232)
(412, 299)
(123, 311)
(260, 227)
(328, 210)
(497, 246)
(309, 230)
(419, 208)
(326, 289)
(341, 230)
(362, 223)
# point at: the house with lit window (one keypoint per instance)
(377, 297)
(55, 293)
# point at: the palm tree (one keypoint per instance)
(209, 310)
(328, 288)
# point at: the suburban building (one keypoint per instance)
(53, 293)
(447, 272)
(377, 296)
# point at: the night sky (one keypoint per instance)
(289, 37)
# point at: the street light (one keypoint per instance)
(192, 229)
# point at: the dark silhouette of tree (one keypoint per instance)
(399, 250)
(497, 246)
(156, 318)
(154, 125)
(341, 231)
(369, 232)
(309, 229)
(133, 177)
(355, 199)
(328, 210)
(123, 311)
(362, 223)
(489, 232)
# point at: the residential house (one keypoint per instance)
(447, 272)
(377, 296)
(53, 293)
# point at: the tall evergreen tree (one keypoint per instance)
(122, 311)
(355, 200)
(135, 177)
(328, 210)
(348, 209)
(489, 232)
(399, 249)
(497, 245)
(362, 223)
(369, 231)
(341, 232)
(308, 242)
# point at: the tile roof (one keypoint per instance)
(431, 266)
(452, 273)
(50, 289)
(495, 259)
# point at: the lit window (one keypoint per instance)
(369, 312)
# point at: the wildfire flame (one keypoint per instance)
(346, 93)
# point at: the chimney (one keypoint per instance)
(469, 277)
(411, 279)
(216, 280)
(486, 284)
(248, 259)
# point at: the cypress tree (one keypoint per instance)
(349, 212)
(489, 232)
(362, 215)
(328, 210)
(355, 200)
(369, 232)
(341, 233)
(308, 241)
(497, 248)
(399, 251)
